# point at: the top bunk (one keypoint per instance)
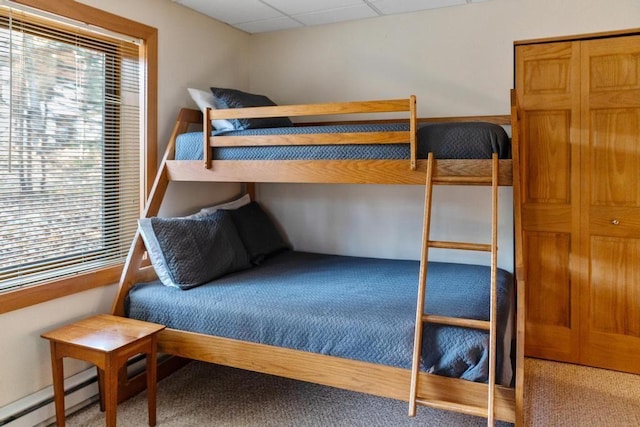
(264, 145)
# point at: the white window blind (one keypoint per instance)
(70, 148)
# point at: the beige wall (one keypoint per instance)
(457, 61)
(25, 359)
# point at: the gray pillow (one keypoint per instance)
(259, 234)
(189, 252)
(463, 140)
(233, 98)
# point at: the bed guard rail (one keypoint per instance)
(407, 105)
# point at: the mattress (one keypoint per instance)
(470, 140)
(350, 307)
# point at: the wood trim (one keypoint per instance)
(574, 37)
(151, 109)
(32, 295)
(88, 14)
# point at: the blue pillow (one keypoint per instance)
(188, 252)
(258, 233)
(233, 98)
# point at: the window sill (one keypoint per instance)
(28, 296)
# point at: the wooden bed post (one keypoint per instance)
(250, 189)
(207, 129)
(413, 129)
(519, 261)
(133, 270)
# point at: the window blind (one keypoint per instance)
(70, 148)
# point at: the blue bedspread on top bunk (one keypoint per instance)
(350, 307)
(472, 140)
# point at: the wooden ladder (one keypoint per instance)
(422, 317)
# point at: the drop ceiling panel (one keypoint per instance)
(233, 11)
(336, 15)
(266, 25)
(296, 7)
(390, 7)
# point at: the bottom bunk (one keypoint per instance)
(340, 321)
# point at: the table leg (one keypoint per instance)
(57, 369)
(101, 388)
(110, 376)
(152, 382)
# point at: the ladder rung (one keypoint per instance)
(460, 245)
(457, 321)
(457, 407)
(462, 180)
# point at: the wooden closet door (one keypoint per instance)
(548, 94)
(610, 187)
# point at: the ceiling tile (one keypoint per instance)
(336, 15)
(296, 7)
(389, 7)
(232, 12)
(265, 25)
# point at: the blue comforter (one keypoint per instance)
(468, 140)
(351, 307)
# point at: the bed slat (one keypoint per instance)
(359, 107)
(311, 139)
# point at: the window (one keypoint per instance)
(72, 119)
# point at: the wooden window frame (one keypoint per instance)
(28, 296)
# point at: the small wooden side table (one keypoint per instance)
(108, 342)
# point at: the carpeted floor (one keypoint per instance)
(561, 394)
(207, 395)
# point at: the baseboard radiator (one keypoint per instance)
(80, 390)
(38, 408)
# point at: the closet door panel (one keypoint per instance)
(548, 322)
(614, 151)
(548, 83)
(615, 301)
(610, 222)
(548, 160)
(550, 304)
(613, 318)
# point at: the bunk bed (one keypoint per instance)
(359, 373)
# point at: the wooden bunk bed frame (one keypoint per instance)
(375, 379)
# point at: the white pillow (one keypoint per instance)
(234, 204)
(204, 100)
